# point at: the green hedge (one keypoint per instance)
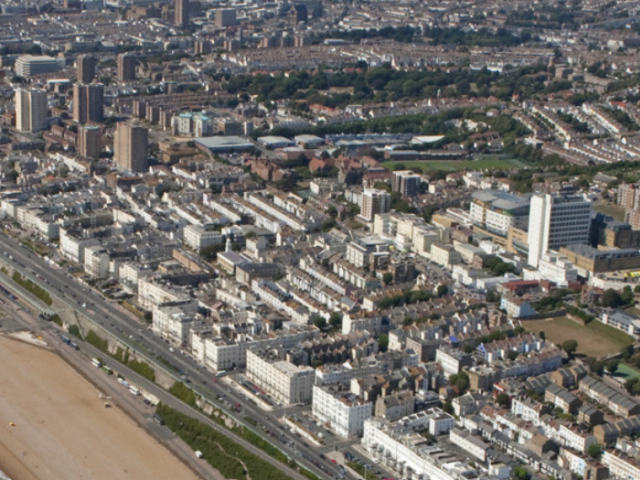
(100, 343)
(143, 369)
(32, 288)
(215, 446)
(265, 445)
(184, 393)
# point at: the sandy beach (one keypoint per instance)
(62, 429)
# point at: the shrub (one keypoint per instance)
(100, 343)
(184, 393)
(143, 369)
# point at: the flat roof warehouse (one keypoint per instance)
(223, 144)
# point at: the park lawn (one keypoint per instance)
(455, 165)
(615, 211)
(594, 339)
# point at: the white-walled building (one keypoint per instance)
(473, 444)
(555, 268)
(399, 447)
(621, 465)
(96, 262)
(285, 382)
(173, 320)
(198, 237)
(341, 410)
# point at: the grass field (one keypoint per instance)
(594, 340)
(626, 371)
(615, 211)
(632, 311)
(454, 165)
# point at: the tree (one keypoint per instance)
(627, 295)
(387, 278)
(492, 296)
(383, 342)
(461, 381)
(320, 322)
(542, 335)
(612, 365)
(442, 290)
(335, 320)
(596, 366)
(448, 408)
(74, 330)
(633, 386)
(570, 346)
(611, 298)
(520, 473)
(503, 400)
(595, 450)
(512, 355)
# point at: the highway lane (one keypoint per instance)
(135, 334)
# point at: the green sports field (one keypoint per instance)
(594, 339)
(455, 165)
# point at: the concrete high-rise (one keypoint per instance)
(555, 221)
(88, 102)
(86, 65)
(131, 147)
(89, 144)
(181, 13)
(406, 182)
(31, 110)
(374, 201)
(126, 67)
(225, 17)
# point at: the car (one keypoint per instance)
(333, 460)
(323, 457)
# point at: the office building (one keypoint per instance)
(225, 17)
(131, 147)
(126, 67)
(373, 202)
(181, 13)
(31, 110)
(30, 65)
(88, 103)
(89, 144)
(555, 221)
(406, 182)
(86, 65)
